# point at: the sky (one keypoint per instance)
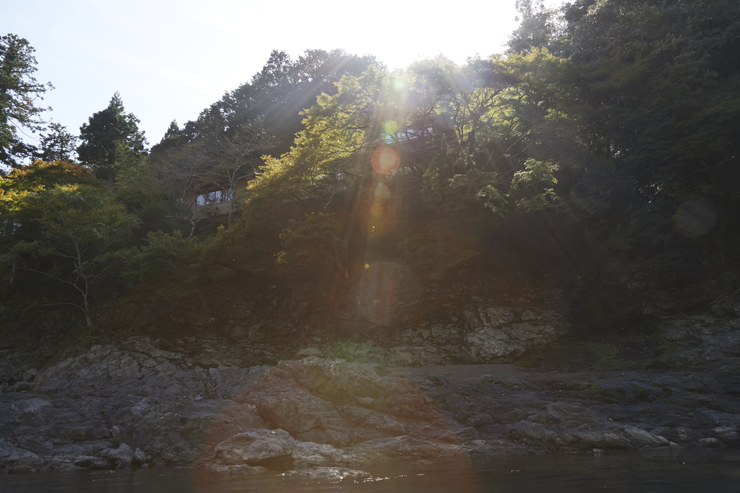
(170, 59)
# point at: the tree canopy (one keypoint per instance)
(19, 96)
(111, 141)
(599, 151)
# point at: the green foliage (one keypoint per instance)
(19, 92)
(313, 256)
(279, 92)
(533, 187)
(42, 175)
(30, 180)
(326, 154)
(602, 147)
(75, 233)
(230, 160)
(158, 253)
(435, 256)
(75, 217)
(537, 27)
(57, 144)
(112, 143)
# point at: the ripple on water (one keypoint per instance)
(552, 474)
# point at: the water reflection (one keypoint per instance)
(552, 474)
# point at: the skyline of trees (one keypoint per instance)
(111, 141)
(19, 96)
(613, 161)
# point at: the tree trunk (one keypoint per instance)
(88, 319)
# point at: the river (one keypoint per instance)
(623, 472)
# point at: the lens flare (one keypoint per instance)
(382, 192)
(377, 208)
(385, 160)
(390, 127)
(377, 293)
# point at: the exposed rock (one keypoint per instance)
(254, 447)
(115, 433)
(310, 454)
(500, 333)
(139, 457)
(309, 351)
(397, 448)
(19, 461)
(30, 375)
(642, 438)
(121, 457)
(92, 462)
(329, 413)
(726, 431)
(710, 442)
(20, 387)
(336, 379)
(711, 341)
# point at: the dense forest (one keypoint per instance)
(598, 156)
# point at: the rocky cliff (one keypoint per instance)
(202, 402)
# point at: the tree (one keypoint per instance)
(35, 178)
(57, 144)
(173, 131)
(111, 140)
(77, 231)
(313, 256)
(278, 94)
(657, 86)
(19, 92)
(637, 103)
(537, 28)
(178, 168)
(230, 160)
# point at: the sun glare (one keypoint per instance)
(384, 159)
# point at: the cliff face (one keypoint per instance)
(204, 402)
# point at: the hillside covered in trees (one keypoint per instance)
(598, 158)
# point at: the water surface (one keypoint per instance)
(626, 472)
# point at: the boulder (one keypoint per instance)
(338, 379)
(20, 461)
(502, 333)
(92, 462)
(139, 457)
(640, 438)
(255, 447)
(121, 457)
(310, 454)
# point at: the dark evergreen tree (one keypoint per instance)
(57, 144)
(19, 93)
(110, 140)
(278, 94)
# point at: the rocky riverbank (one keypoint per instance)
(114, 407)
(230, 405)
